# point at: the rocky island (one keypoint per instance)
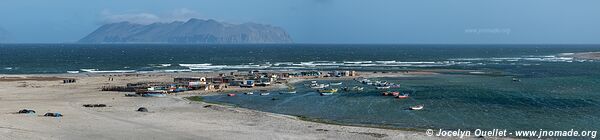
(192, 31)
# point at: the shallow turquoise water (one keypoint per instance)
(451, 101)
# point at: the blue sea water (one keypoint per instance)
(60, 58)
(555, 92)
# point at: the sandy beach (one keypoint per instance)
(172, 117)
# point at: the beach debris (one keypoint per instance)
(26, 111)
(325, 130)
(49, 114)
(66, 81)
(94, 105)
(207, 106)
(142, 109)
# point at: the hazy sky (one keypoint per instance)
(324, 21)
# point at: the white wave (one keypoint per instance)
(195, 65)
(107, 71)
(88, 70)
(357, 62)
(177, 70)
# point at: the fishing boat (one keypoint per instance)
(73, 72)
(403, 96)
(358, 88)
(154, 94)
(326, 93)
(516, 80)
(395, 94)
(328, 90)
(417, 107)
(386, 93)
(382, 87)
(230, 94)
(336, 83)
(318, 86)
(288, 92)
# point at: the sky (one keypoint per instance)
(324, 21)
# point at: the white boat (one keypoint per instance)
(288, 92)
(249, 93)
(264, 94)
(383, 87)
(336, 84)
(317, 86)
(326, 93)
(417, 107)
(75, 71)
(360, 88)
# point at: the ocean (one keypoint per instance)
(555, 92)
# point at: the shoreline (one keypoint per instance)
(173, 117)
(308, 119)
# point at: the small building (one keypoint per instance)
(353, 73)
(236, 83)
(229, 79)
(200, 80)
(248, 84)
(305, 73)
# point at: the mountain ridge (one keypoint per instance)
(192, 31)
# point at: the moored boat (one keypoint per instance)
(317, 86)
(249, 93)
(154, 94)
(288, 92)
(264, 94)
(358, 88)
(395, 94)
(417, 107)
(403, 96)
(336, 83)
(326, 93)
(382, 87)
(328, 90)
(73, 72)
(516, 80)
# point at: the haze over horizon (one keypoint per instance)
(324, 21)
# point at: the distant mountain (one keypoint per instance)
(192, 31)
